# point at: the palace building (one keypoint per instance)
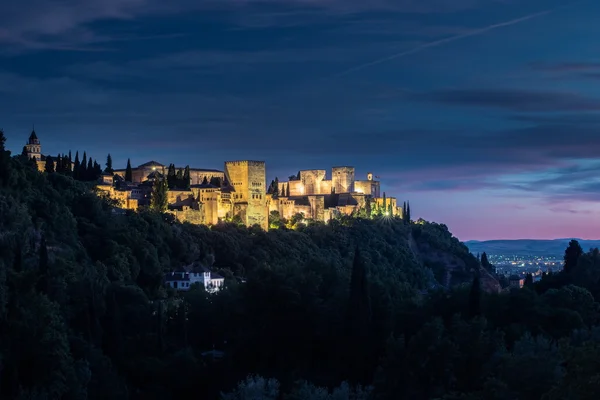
(240, 191)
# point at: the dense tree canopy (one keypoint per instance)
(353, 309)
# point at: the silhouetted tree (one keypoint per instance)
(109, 165)
(49, 167)
(159, 200)
(215, 181)
(76, 166)
(287, 192)
(205, 181)
(186, 177)
(408, 216)
(171, 176)
(528, 280)
(128, 172)
(475, 296)
(90, 170)
(572, 254)
(83, 168)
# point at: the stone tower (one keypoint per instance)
(249, 182)
(33, 147)
(342, 179)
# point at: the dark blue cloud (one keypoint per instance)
(202, 82)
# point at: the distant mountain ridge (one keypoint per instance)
(523, 247)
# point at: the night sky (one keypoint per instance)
(483, 113)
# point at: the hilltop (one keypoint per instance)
(527, 247)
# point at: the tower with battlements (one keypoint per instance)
(248, 182)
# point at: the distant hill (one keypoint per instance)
(523, 247)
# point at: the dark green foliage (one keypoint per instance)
(128, 172)
(186, 177)
(216, 181)
(287, 191)
(475, 297)
(84, 313)
(49, 167)
(160, 200)
(572, 254)
(109, 165)
(76, 166)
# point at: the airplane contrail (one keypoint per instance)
(443, 41)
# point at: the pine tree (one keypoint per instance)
(109, 165)
(475, 297)
(186, 177)
(76, 166)
(128, 172)
(49, 168)
(159, 200)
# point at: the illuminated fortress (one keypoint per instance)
(240, 193)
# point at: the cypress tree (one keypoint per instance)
(179, 179)
(49, 168)
(76, 166)
(408, 212)
(186, 177)
(97, 170)
(475, 297)
(128, 172)
(205, 181)
(69, 165)
(384, 202)
(83, 168)
(109, 165)
(90, 170)
(159, 200)
(283, 190)
(215, 180)
(287, 192)
(59, 164)
(171, 176)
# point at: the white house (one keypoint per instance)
(195, 273)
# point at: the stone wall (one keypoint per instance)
(188, 215)
(311, 180)
(343, 179)
(367, 187)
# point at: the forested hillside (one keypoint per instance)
(352, 309)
